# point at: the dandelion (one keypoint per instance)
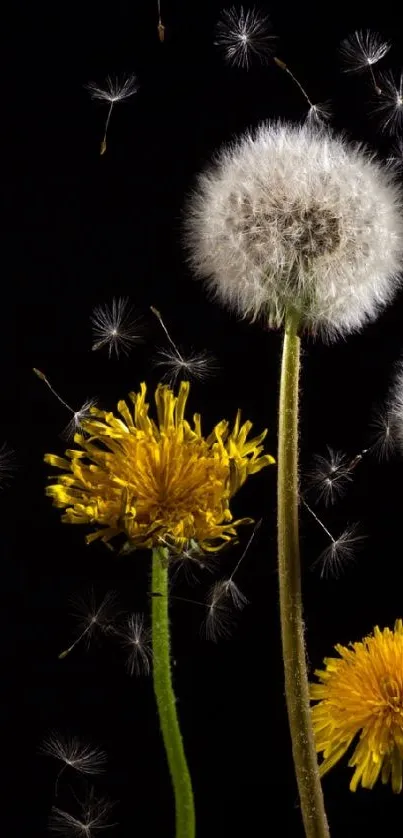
(292, 218)
(361, 50)
(92, 617)
(361, 692)
(114, 327)
(115, 90)
(91, 818)
(137, 640)
(242, 35)
(145, 481)
(390, 104)
(72, 753)
(78, 416)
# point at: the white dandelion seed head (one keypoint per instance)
(113, 326)
(362, 49)
(291, 217)
(243, 35)
(115, 90)
(389, 104)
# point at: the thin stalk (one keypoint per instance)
(289, 571)
(165, 697)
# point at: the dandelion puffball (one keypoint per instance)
(294, 218)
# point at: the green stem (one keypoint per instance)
(166, 703)
(292, 626)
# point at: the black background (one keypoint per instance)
(79, 229)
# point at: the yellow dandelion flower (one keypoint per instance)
(156, 482)
(363, 692)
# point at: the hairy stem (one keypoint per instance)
(292, 626)
(165, 697)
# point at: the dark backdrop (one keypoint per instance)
(79, 229)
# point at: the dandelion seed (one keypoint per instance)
(75, 423)
(7, 463)
(78, 416)
(330, 476)
(137, 640)
(390, 104)
(197, 365)
(160, 26)
(219, 622)
(226, 588)
(114, 327)
(382, 436)
(189, 559)
(93, 617)
(340, 552)
(243, 35)
(82, 758)
(360, 694)
(361, 50)
(115, 90)
(92, 816)
(319, 114)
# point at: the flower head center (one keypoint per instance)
(305, 229)
(392, 693)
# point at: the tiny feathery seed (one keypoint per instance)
(362, 49)
(243, 35)
(115, 90)
(114, 327)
